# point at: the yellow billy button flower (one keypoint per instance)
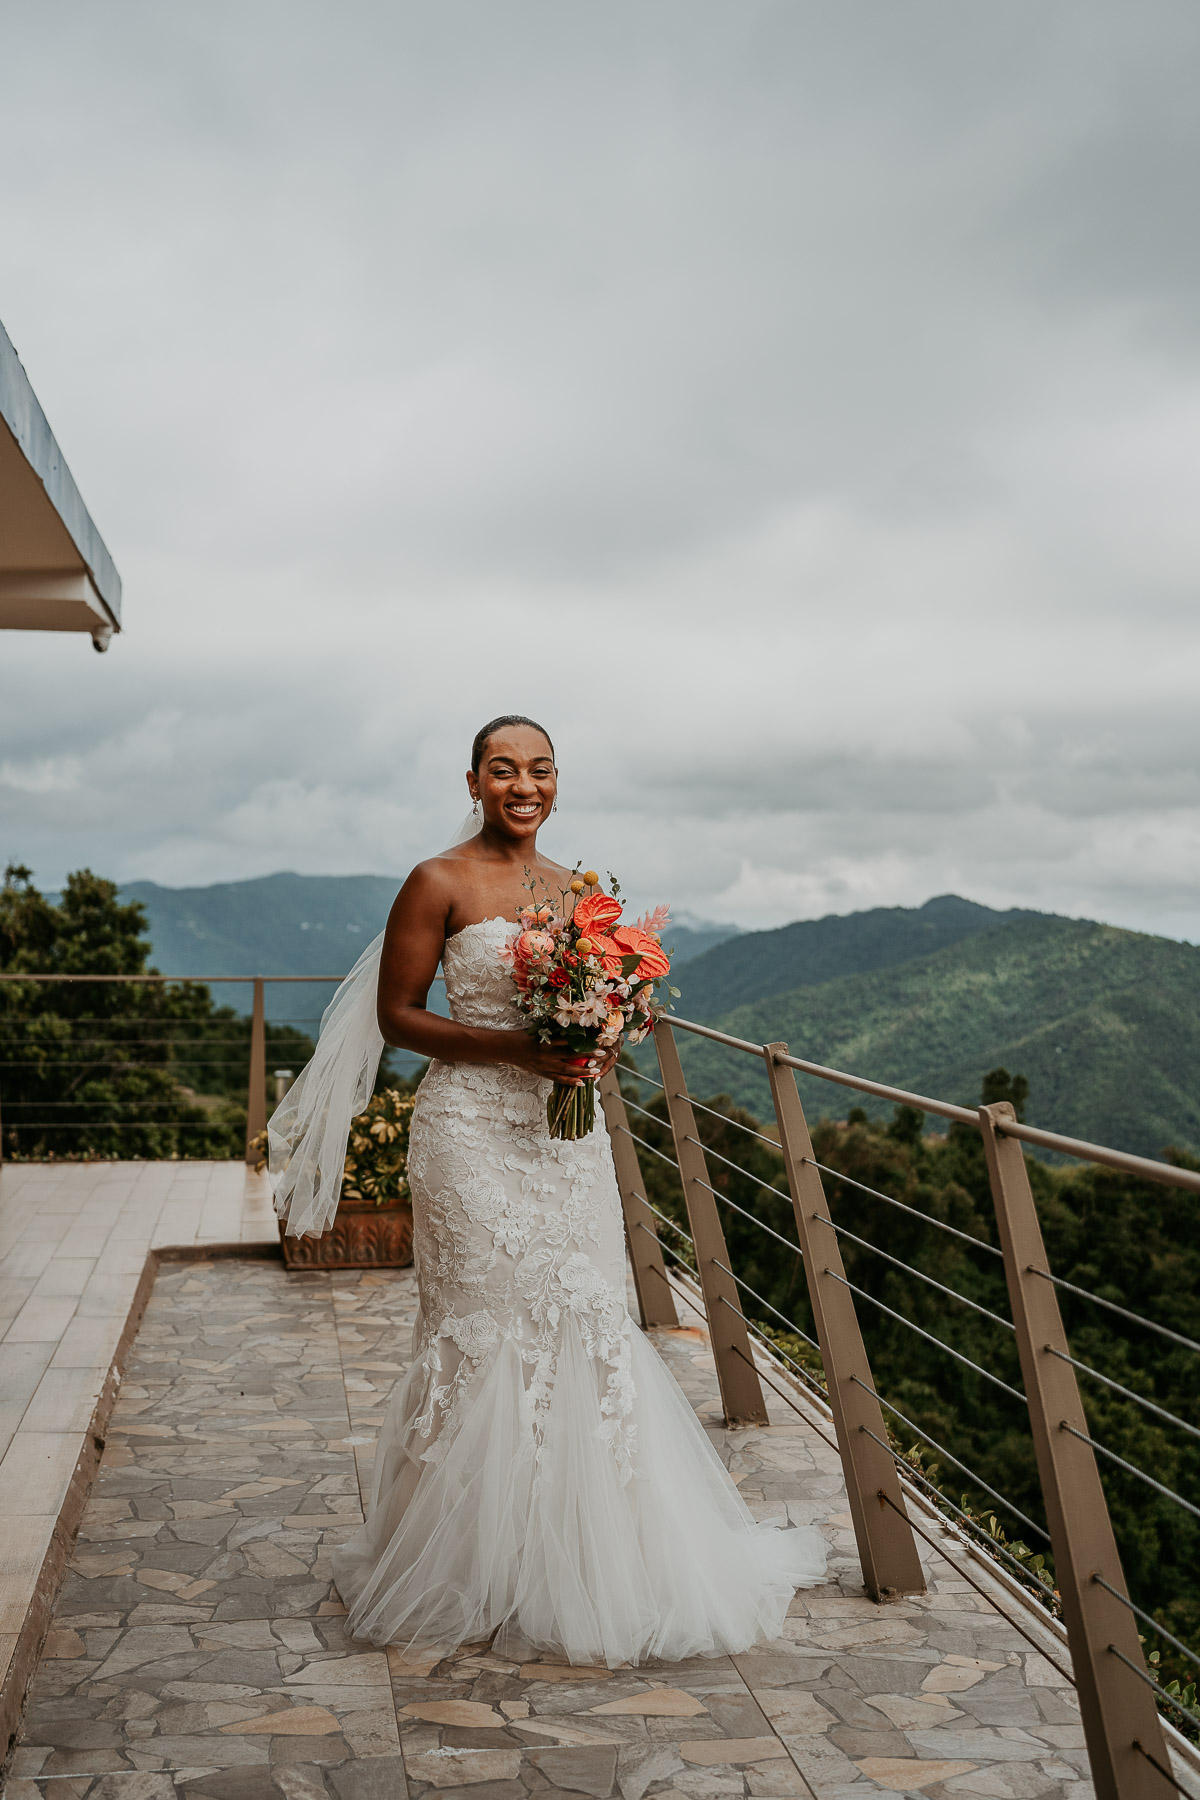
(591, 877)
(577, 886)
(584, 946)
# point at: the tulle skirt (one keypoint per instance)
(532, 1534)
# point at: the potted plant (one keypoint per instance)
(372, 1228)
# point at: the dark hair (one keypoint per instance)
(482, 736)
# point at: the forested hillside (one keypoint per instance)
(758, 964)
(289, 924)
(1104, 1023)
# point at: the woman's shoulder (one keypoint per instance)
(435, 874)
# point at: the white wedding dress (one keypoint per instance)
(539, 1473)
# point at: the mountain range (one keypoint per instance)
(289, 924)
(1103, 1023)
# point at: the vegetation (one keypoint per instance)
(92, 1068)
(377, 1153)
(1105, 1023)
(1131, 1242)
(760, 964)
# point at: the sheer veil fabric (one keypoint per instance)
(539, 1477)
(307, 1134)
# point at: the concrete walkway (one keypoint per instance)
(79, 1246)
(198, 1648)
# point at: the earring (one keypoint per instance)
(475, 810)
(554, 808)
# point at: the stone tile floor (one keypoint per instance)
(198, 1647)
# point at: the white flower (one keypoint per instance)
(566, 1012)
(593, 1010)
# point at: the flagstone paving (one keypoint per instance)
(199, 1648)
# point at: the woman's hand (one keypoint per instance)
(554, 1062)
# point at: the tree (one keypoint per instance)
(106, 1068)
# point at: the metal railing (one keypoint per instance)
(1119, 1696)
(255, 1052)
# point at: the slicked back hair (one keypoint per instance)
(485, 732)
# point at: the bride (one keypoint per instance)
(539, 1475)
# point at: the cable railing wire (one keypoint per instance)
(941, 1499)
(979, 1588)
(634, 1107)
(749, 1360)
(776, 1350)
(677, 1229)
(650, 1147)
(1176, 1337)
(915, 1212)
(118, 1125)
(908, 1468)
(794, 1329)
(1007, 1504)
(1129, 1394)
(1188, 1793)
(77, 1105)
(772, 1143)
(737, 1168)
(929, 1337)
(639, 1075)
(1132, 1469)
(1167, 1699)
(782, 1317)
(1147, 1619)
(953, 1293)
(726, 1201)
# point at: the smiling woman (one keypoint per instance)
(539, 1478)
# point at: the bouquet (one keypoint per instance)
(585, 978)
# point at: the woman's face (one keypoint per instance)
(517, 781)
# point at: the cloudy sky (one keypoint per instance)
(796, 406)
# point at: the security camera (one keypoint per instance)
(101, 637)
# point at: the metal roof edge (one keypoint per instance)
(22, 413)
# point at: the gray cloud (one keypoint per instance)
(797, 406)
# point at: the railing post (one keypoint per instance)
(656, 1302)
(741, 1390)
(1119, 1711)
(887, 1548)
(256, 1097)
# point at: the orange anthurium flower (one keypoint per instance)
(596, 913)
(633, 942)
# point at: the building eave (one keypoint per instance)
(56, 573)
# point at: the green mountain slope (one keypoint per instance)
(1104, 1023)
(289, 924)
(277, 925)
(756, 964)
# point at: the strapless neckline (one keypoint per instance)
(477, 924)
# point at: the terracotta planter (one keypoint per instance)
(362, 1236)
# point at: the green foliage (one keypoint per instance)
(1105, 1024)
(113, 1068)
(999, 1085)
(1129, 1241)
(759, 964)
(377, 1153)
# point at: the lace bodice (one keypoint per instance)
(479, 986)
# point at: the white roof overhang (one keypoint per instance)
(55, 572)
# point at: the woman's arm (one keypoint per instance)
(412, 950)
